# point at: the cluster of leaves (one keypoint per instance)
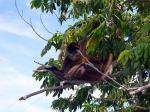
(54, 41)
(73, 102)
(49, 80)
(122, 28)
(136, 57)
(70, 8)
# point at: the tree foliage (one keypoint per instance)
(118, 26)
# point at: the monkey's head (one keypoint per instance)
(73, 47)
(72, 51)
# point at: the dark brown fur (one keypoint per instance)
(75, 67)
(84, 71)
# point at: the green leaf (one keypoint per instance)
(36, 3)
(117, 20)
(123, 56)
(42, 8)
(55, 42)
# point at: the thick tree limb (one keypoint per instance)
(76, 82)
(43, 90)
(71, 83)
(135, 90)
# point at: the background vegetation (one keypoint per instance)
(121, 27)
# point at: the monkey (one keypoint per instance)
(85, 72)
(76, 67)
(72, 57)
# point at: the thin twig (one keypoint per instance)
(47, 69)
(41, 64)
(28, 23)
(56, 15)
(44, 25)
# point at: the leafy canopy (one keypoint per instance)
(121, 27)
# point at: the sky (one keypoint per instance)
(19, 47)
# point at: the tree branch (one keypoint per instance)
(76, 82)
(43, 90)
(44, 25)
(28, 23)
(117, 74)
(135, 90)
(71, 83)
(41, 64)
(142, 108)
(52, 69)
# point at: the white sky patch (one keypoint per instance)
(97, 93)
(15, 27)
(14, 84)
(18, 48)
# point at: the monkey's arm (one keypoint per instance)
(66, 65)
(107, 67)
(85, 39)
(83, 43)
(108, 62)
(58, 73)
